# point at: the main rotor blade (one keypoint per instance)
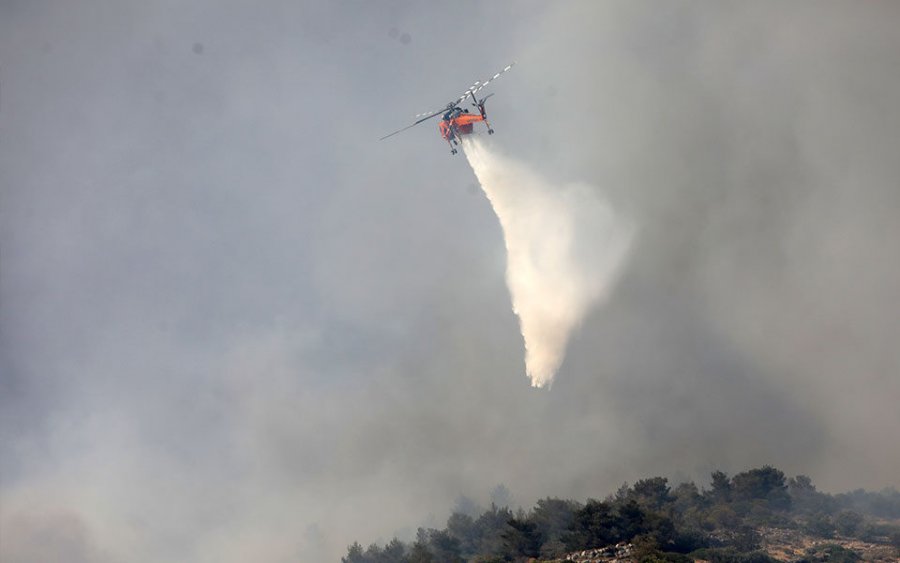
(439, 112)
(478, 85)
(448, 106)
(398, 131)
(491, 79)
(429, 113)
(465, 95)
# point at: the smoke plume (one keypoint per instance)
(565, 246)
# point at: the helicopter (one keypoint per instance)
(456, 120)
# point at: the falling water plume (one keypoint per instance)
(565, 247)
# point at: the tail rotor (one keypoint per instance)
(480, 104)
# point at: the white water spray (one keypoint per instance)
(565, 247)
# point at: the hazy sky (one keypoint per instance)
(235, 327)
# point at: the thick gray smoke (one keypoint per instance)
(565, 247)
(235, 328)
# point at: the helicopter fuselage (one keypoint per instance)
(460, 125)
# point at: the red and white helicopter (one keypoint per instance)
(456, 121)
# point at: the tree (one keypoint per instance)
(687, 494)
(664, 523)
(596, 524)
(805, 497)
(553, 517)
(819, 525)
(765, 483)
(660, 528)
(621, 494)
(444, 547)
(688, 505)
(489, 528)
(721, 488)
(374, 554)
(462, 527)
(723, 516)
(631, 522)
(653, 492)
(393, 552)
(847, 522)
(521, 539)
(420, 552)
(354, 554)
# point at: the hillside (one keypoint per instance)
(793, 546)
(756, 516)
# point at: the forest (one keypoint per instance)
(725, 522)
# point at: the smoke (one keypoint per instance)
(221, 334)
(565, 246)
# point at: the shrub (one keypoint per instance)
(847, 522)
(819, 525)
(832, 553)
(731, 555)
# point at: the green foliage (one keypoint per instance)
(394, 552)
(553, 517)
(354, 554)
(848, 522)
(652, 493)
(731, 555)
(765, 483)
(420, 554)
(462, 527)
(724, 516)
(646, 550)
(721, 488)
(631, 521)
(879, 532)
(489, 529)
(593, 525)
(720, 525)
(806, 499)
(688, 504)
(832, 553)
(668, 557)
(521, 539)
(819, 525)
(688, 539)
(444, 547)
